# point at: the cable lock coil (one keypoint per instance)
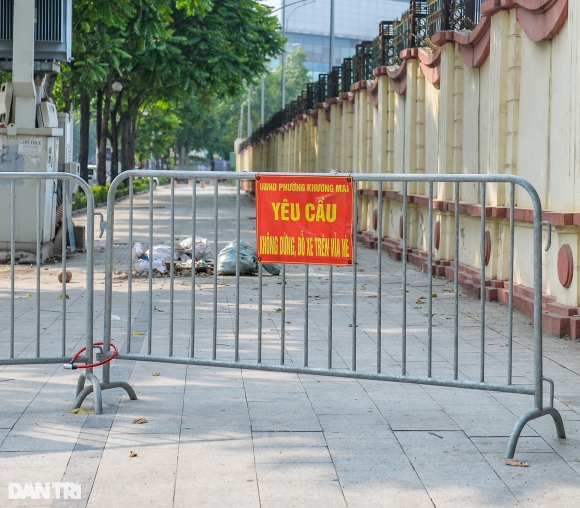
(72, 366)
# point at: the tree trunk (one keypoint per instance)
(182, 157)
(124, 128)
(85, 107)
(132, 143)
(99, 115)
(115, 137)
(114, 147)
(102, 159)
(67, 99)
(49, 84)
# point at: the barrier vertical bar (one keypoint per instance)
(511, 285)
(12, 261)
(215, 249)
(193, 258)
(538, 315)
(38, 263)
(150, 330)
(283, 316)
(64, 188)
(130, 269)
(404, 269)
(456, 287)
(380, 277)
(306, 282)
(260, 312)
(172, 266)
(330, 284)
(482, 287)
(238, 241)
(354, 275)
(90, 283)
(430, 284)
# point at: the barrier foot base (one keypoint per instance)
(81, 383)
(97, 387)
(121, 384)
(528, 417)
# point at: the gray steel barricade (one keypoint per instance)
(19, 348)
(181, 346)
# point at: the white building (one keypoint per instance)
(308, 25)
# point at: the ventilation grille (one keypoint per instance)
(49, 20)
(6, 17)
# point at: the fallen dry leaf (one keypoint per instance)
(81, 411)
(516, 463)
(140, 420)
(419, 301)
(132, 454)
(156, 374)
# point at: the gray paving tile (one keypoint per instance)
(223, 437)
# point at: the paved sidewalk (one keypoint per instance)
(231, 437)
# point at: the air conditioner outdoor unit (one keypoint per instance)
(52, 30)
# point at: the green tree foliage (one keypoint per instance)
(157, 130)
(166, 54)
(296, 76)
(214, 127)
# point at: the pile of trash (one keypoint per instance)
(184, 261)
(182, 257)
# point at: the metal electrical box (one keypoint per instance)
(52, 30)
(65, 151)
(26, 153)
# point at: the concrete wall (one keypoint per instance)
(518, 112)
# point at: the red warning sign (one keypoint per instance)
(304, 219)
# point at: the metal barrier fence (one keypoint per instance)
(184, 345)
(22, 193)
(198, 321)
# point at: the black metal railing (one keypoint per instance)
(363, 61)
(415, 28)
(334, 86)
(322, 87)
(383, 51)
(465, 14)
(452, 15)
(347, 74)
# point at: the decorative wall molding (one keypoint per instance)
(397, 75)
(541, 20)
(474, 46)
(430, 64)
(373, 90)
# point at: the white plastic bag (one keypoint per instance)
(202, 248)
(163, 252)
(142, 265)
(137, 251)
